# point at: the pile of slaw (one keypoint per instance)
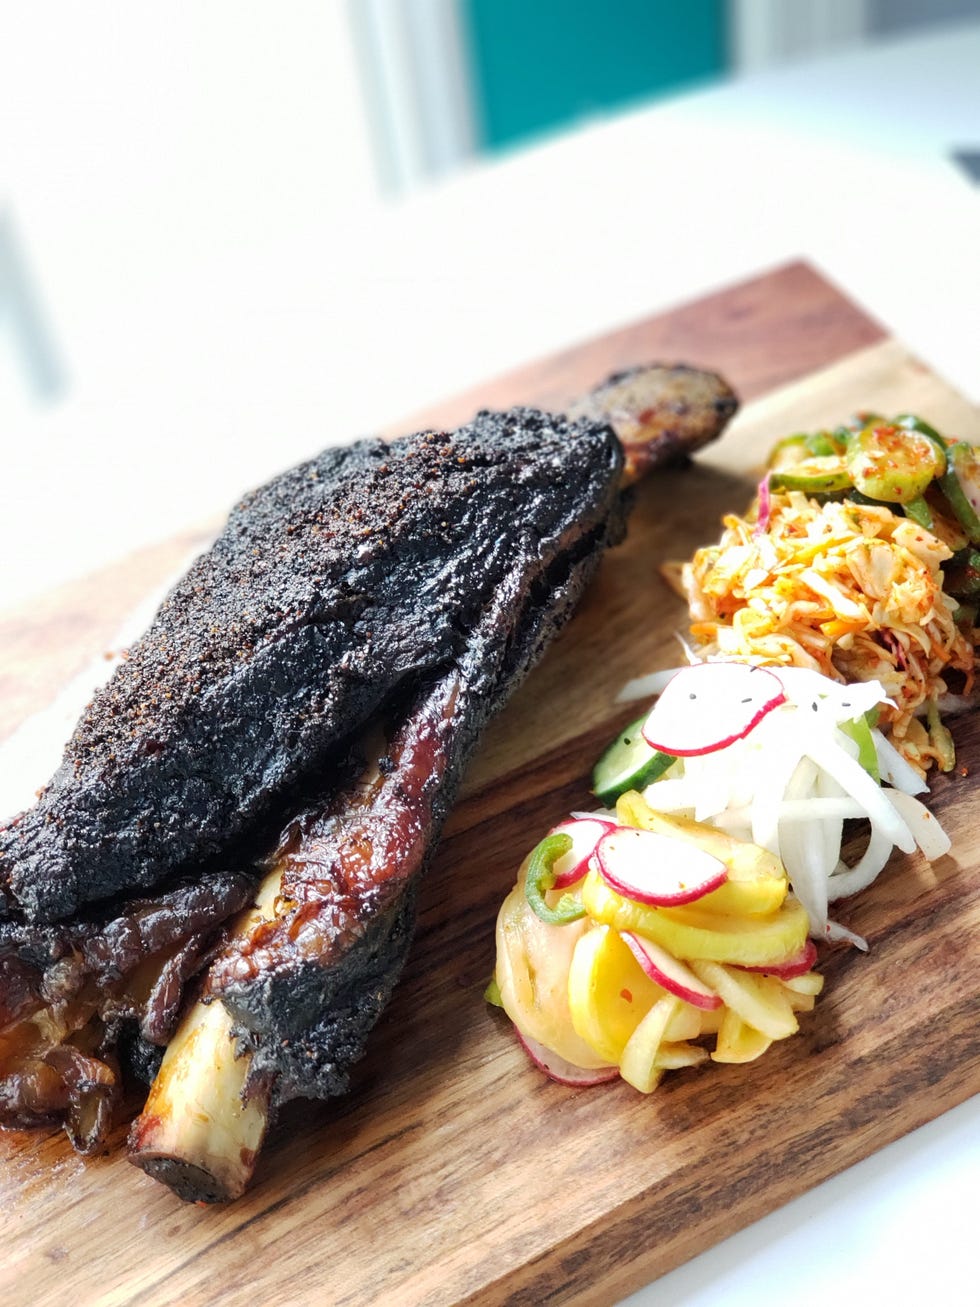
(853, 591)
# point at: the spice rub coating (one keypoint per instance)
(331, 589)
(306, 987)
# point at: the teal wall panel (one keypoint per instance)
(539, 65)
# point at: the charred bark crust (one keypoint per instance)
(332, 586)
(306, 1019)
(306, 1025)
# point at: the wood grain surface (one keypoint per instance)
(453, 1172)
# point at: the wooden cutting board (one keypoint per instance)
(454, 1172)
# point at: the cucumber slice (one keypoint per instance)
(827, 444)
(961, 486)
(819, 475)
(893, 463)
(628, 764)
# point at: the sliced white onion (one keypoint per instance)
(710, 777)
(736, 822)
(894, 769)
(674, 796)
(842, 703)
(856, 781)
(852, 880)
(778, 765)
(836, 931)
(839, 808)
(830, 792)
(925, 828)
(646, 687)
(803, 855)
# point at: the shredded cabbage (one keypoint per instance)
(853, 591)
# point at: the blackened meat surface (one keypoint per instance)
(331, 589)
(307, 987)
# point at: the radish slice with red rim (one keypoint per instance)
(709, 706)
(585, 833)
(670, 973)
(798, 965)
(651, 868)
(564, 1072)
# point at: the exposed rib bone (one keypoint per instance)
(196, 1133)
(206, 1115)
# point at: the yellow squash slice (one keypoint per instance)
(693, 932)
(608, 992)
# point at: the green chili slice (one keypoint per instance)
(820, 445)
(540, 878)
(859, 730)
(919, 511)
(819, 475)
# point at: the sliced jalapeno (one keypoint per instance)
(540, 878)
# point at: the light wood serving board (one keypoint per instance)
(454, 1172)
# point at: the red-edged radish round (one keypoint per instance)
(798, 965)
(585, 833)
(708, 706)
(670, 973)
(652, 868)
(566, 1073)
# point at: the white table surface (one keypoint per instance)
(220, 317)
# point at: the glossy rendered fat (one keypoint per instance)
(331, 589)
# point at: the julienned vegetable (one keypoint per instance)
(679, 930)
(871, 578)
(810, 763)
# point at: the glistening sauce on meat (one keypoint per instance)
(342, 865)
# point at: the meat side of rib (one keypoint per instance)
(332, 591)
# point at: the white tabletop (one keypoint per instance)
(231, 296)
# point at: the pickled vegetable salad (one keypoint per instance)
(639, 935)
(859, 561)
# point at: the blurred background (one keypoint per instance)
(231, 234)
